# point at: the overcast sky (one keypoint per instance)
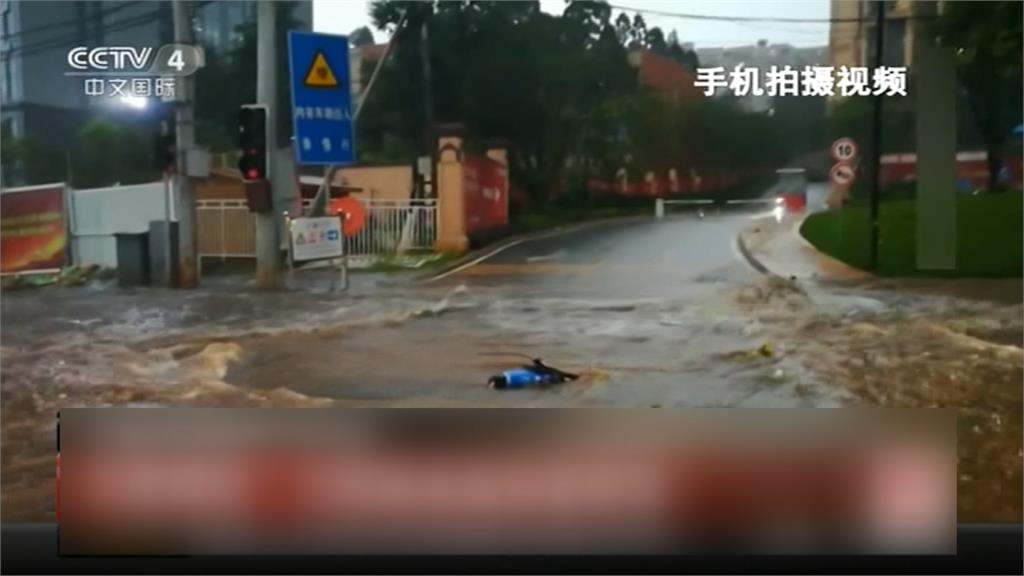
(343, 16)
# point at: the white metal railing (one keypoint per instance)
(660, 203)
(227, 229)
(394, 226)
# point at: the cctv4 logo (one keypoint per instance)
(109, 58)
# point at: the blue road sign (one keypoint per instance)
(321, 98)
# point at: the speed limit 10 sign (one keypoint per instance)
(844, 150)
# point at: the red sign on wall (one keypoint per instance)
(32, 228)
(485, 190)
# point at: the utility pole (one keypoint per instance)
(428, 100)
(188, 273)
(876, 142)
(267, 249)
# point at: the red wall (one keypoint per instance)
(662, 186)
(970, 166)
(485, 186)
(667, 77)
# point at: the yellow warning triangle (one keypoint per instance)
(319, 74)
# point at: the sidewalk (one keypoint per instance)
(777, 248)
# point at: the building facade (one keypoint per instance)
(38, 99)
(852, 33)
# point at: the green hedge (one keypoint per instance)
(989, 236)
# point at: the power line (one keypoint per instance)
(70, 22)
(29, 49)
(736, 18)
(115, 26)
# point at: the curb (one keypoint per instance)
(751, 260)
(816, 278)
(485, 252)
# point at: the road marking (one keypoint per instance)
(476, 261)
(552, 256)
(542, 236)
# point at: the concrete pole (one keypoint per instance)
(267, 250)
(188, 272)
(935, 99)
(428, 99)
(876, 144)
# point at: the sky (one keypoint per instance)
(343, 16)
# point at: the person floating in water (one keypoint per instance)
(536, 374)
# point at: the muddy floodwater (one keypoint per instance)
(729, 338)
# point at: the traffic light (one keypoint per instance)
(252, 142)
(165, 147)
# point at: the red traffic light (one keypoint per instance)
(252, 143)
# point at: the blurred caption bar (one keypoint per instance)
(362, 481)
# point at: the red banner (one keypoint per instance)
(34, 235)
(485, 190)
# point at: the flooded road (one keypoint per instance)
(652, 314)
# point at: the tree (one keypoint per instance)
(109, 153)
(690, 61)
(638, 31)
(587, 19)
(987, 37)
(623, 28)
(559, 89)
(228, 80)
(361, 36)
(655, 41)
(27, 161)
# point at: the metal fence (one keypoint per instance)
(394, 227)
(227, 229)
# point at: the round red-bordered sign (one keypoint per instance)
(842, 174)
(844, 150)
(354, 215)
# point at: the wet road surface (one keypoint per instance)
(651, 313)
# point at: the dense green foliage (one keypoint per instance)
(559, 89)
(989, 239)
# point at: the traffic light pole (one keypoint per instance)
(267, 245)
(188, 273)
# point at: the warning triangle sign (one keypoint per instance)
(319, 74)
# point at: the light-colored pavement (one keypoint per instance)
(777, 246)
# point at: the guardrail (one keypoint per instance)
(660, 203)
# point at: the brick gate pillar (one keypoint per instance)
(451, 209)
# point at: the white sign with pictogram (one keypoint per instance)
(842, 174)
(844, 150)
(316, 238)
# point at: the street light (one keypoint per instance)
(137, 102)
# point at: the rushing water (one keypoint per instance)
(725, 339)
